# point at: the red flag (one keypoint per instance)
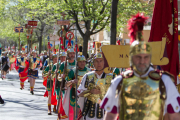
(165, 24)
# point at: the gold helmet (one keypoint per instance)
(63, 54)
(98, 51)
(81, 57)
(70, 49)
(34, 51)
(138, 46)
(54, 56)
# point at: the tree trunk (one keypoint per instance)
(86, 37)
(40, 43)
(113, 21)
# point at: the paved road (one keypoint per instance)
(20, 104)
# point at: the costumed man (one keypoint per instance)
(5, 64)
(43, 59)
(141, 93)
(71, 81)
(67, 65)
(34, 64)
(47, 60)
(92, 89)
(62, 59)
(45, 77)
(49, 72)
(22, 66)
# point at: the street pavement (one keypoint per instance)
(20, 104)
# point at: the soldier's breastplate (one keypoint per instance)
(80, 76)
(69, 67)
(140, 99)
(98, 84)
(33, 64)
(23, 62)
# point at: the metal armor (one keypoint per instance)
(22, 62)
(93, 99)
(69, 67)
(33, 64)
(80, 74)
(140, 98)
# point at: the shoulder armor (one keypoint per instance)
(88, 69)
(128, 74)
(169, 74)
(155, 75)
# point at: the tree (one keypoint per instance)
(94, 15)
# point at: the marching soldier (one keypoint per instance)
(93, 88)
(43, 58)
(142, 93)
(4, 65)
(34, 63)
(22, 65)
(62, 59)
(71, 81)
(50, 73)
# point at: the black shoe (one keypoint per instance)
(32, 92)
(49, 113)
(1, 101)
(21, 88)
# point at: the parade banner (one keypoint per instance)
(165, 24)
(118, 55)
(32, 23)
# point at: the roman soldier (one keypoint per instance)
(22, 66)
(71, 81)
(34, 63)
(49, 72)
(43, 59)
(93, 88)
(45, 63)
(62, 59)
(5, 64)
(141, 93)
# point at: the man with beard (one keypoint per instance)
(93, 88)
(5, 64)
(71, 84)
(34, 64)
(142, 93)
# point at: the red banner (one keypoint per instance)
(165, 24)
(32, 23)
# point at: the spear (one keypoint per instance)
(58, 61)
(49, 60)
(76, 75)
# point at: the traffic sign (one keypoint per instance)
(69, 35)
(66, 43)
(18, 29)
(54, 37)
